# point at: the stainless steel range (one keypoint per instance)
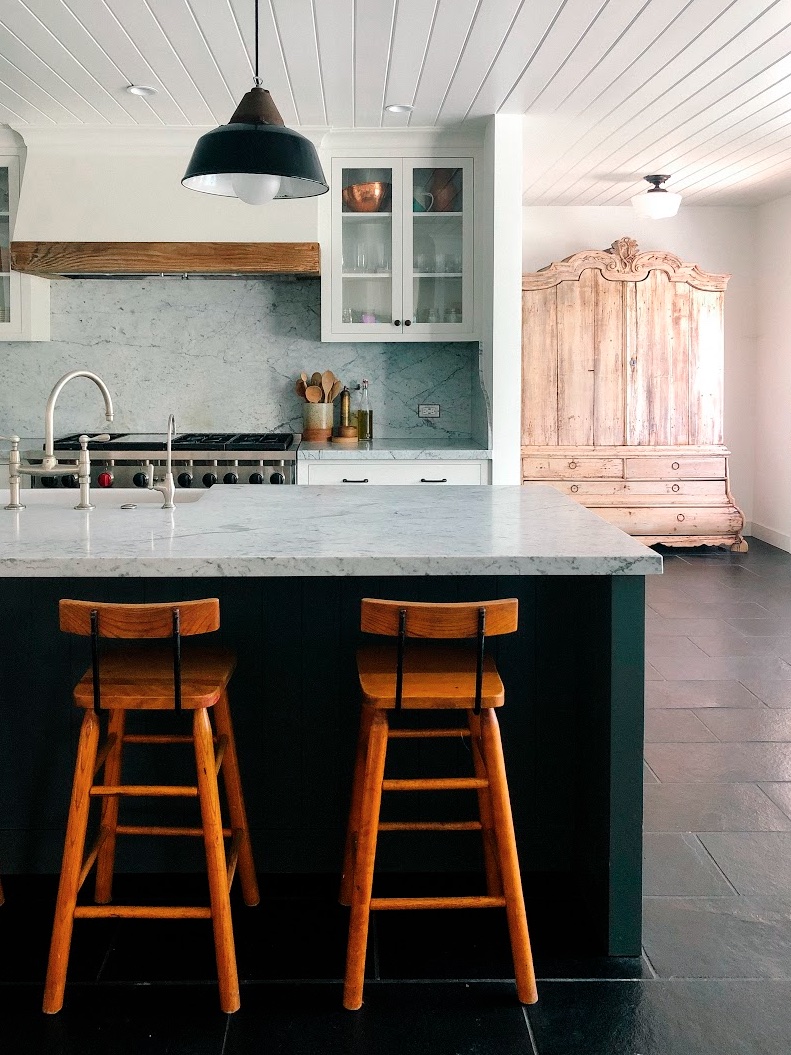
(200, 459)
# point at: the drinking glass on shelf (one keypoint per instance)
(361, 258)
(421, 262)
(433, 315)
(346, 315)
(441, 264)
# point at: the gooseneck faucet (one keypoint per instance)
(50, 461)
(168, 488)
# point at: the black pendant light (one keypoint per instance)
(255, 157)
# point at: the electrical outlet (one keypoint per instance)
(428, 410)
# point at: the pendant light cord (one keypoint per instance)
(257, 78)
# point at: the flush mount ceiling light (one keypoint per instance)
(399, 108)
(656, 203)
(255, 157)
(141, 89)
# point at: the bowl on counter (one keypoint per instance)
(366, 197)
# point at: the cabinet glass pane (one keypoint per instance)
(5, 299)
(367, 245)
(437, 242)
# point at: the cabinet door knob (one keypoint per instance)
(675, 465)
(407, 322)
(574, 488)
(572, 465)
(396, 322)
(680, 517)
(676, 487)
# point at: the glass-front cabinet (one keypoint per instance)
(402, 252)
(24, 299)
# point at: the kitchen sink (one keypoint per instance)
(102, 498)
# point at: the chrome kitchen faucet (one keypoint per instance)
(50, 465)
(168, 488)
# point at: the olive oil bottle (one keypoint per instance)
(365, 416)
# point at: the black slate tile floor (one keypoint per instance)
(715, 976)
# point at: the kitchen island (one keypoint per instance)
(290, 565)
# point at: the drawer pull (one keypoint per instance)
(444, 480)
(680, 517)
(676, 487)
(574, 488)
(572, 465)
(345, 481)
(675, 465)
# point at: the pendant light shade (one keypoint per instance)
(656, 203)
(255, 157)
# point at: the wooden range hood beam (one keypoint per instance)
(53, 259)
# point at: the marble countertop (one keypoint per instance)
(424, 448)
(317, 531)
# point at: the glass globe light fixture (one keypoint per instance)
(656, 203)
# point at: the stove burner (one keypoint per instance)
(233, 441)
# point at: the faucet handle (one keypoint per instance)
(102, 437)
(12, 439)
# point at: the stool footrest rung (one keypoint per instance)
(157, 738)
(430, 826)
(435, 784)
(159, 829)
(420, 734)
(142, 912)
(390, 903)
(142, 790)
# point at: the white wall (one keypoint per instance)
(772, 515)
(719, 240)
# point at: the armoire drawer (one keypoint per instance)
(691, 520)
(571, 468)
(621, 491)
(394, 472)
(685, 468)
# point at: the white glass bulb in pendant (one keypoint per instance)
(255, 188)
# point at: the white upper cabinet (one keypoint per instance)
(24, 299)
(400, 260)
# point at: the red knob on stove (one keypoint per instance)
(105, 479)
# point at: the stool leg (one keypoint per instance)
(2, 895)
(364, 867)
(509, 861)
(72, 864)
(352, 831)
(233, 793)
(216, 865)
(105, 860)
(494, 882)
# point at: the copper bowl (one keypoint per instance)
(366, 197)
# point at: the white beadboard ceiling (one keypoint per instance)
(611, 89)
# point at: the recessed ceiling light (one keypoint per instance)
(140, 89)
(399, 108)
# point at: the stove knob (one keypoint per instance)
(256, 478)
(209, 479)
(277, 478)
(184, 479)
(105, 479)
(49, 481)
(71, 480)
(230, 478)
(140, 480)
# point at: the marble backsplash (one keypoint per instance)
(222, 355)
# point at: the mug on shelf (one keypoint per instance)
(422, 201)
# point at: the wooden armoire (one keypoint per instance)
(622, 392)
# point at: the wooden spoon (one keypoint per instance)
(304, 377)
(327, 381)
(300, 388)
(313, 394)
(335, 391)
(316, 379)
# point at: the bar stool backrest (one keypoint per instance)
(96, 620)
(138, 621)
(425, 619)
(441, 620)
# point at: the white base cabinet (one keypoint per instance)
(390, 472)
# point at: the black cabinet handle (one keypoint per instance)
(444, 480)
(396, 322)
(407, 322)
(365, 481)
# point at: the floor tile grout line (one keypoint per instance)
(716, 864)
(769, 797)
(647, 958)
(530, 1033)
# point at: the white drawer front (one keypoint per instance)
(423, 472)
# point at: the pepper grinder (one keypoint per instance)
(347, 433)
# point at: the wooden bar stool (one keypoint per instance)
(432, 677)
(152, 677)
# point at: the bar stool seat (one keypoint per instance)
(157, 675)
(432, 675)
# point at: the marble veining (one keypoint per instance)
(222, 355)
(394, 450)
(321, 531)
